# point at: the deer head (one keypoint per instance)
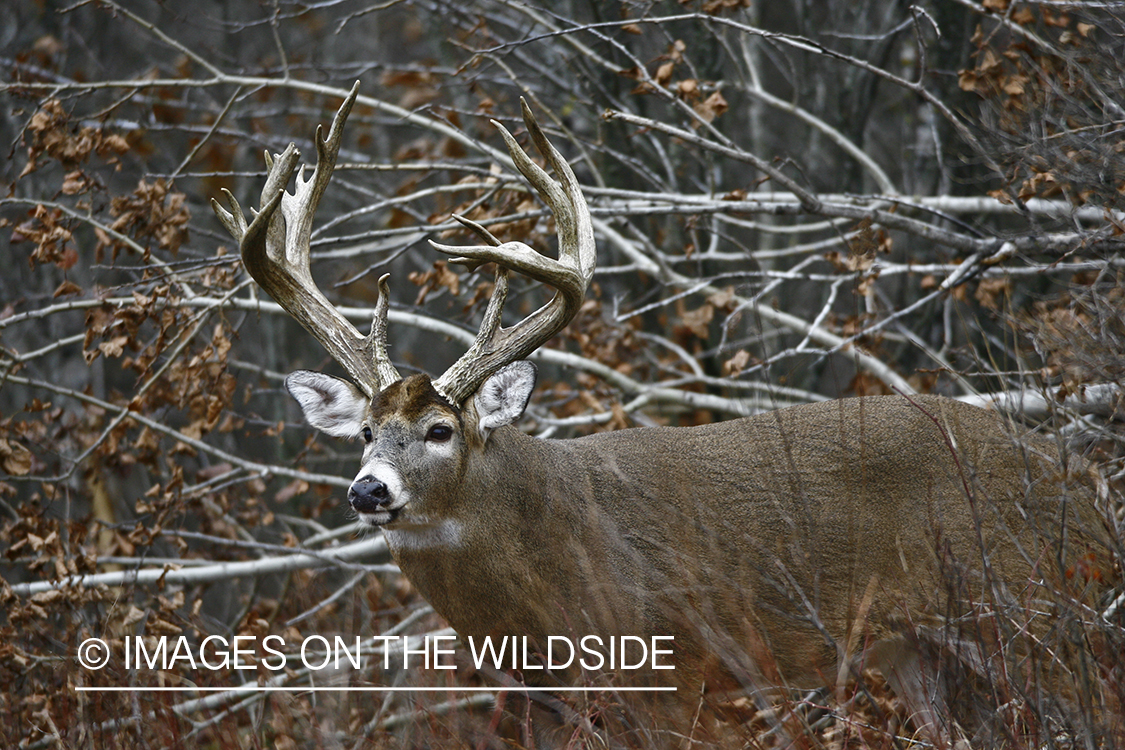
(488, 387)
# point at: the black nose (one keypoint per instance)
(368, 495)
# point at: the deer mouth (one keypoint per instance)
(379, 518)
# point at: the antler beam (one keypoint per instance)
(570, 275)
(275, 252)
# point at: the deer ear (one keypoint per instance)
(331, 405)
(503, 397)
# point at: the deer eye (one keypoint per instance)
(439, 433)
(367, 435)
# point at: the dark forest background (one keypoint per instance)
(794, 201)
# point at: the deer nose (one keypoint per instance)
(368, 495)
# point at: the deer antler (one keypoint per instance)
(495, 346)
(275, 251)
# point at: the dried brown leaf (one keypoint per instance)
(711, 107)
(734, 366)
(698, 320)
(15, 459)
(66, 288)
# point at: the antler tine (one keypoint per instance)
(378, 336)
(275, 252)
(570, 275)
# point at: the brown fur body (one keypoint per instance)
(769, 547)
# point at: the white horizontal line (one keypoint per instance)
(363, 689)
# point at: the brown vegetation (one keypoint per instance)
(790, 204)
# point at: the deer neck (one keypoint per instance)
(522, 506)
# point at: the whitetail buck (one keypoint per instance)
(785, 548)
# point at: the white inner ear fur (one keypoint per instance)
(504, 396)
(331, 405)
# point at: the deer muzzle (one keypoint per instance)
(368, 495)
